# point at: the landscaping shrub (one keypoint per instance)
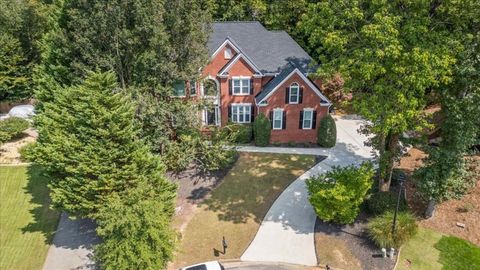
(338, 194)
(327, 132)
(261, 130)
(27, 151)
(380, 229)
(239, 133)
(381, 202)
(11, 128)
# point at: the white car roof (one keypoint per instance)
(212, 265)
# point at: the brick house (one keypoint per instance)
(253, 70)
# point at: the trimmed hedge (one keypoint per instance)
(11, 128)
(380, 229)
(381, 202)
(27, 151)
(327, 132)
(262, 130)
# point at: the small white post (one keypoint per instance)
(392, 253)
(384, 252)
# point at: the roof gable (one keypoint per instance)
(288, 72)
(269, 50)
(224, 71)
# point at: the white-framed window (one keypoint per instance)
(209, 87)
(294, 93)
(277, 119)
(241, 113)
(227, 53)
(241, 85)
(307, 119)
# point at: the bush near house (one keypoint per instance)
(261, 130)
(337, 195)
(380, 229)
(238, 133)
(11, 128)
(327, 132)
(381, 202)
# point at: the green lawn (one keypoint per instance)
(27, 225)
(430, 250)
(237, 206)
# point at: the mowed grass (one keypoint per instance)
(430, 250)
(236, 208)
(27, 225)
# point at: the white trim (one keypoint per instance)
(281, 118)
(310, 110)
(245, 121)
(309, 83)
(234, 60)
(217, 113)
(290, 93)
(262, 104)
(241, 85)
(227, 41)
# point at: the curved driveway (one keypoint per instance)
(287, 231)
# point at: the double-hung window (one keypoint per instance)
(241, 85)
(294, 93)
(307, 119)
(277, 119)
(241, 113)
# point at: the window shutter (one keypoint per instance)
(314, 120)
(230, 113)
(287, 95)
(251, 86)
(230, 86)
(252, 113)
(271, 118)
(300, 123)
(300, 96)
(284, 122)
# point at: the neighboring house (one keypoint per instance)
(253, 70)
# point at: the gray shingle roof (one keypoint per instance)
(289, 68)
(271, 51)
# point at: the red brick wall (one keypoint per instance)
(292, 132)
(277, 100)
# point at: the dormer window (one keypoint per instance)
(228, 53)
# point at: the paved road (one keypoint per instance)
(287, 231)
(264, 266)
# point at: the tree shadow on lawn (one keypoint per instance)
(253, 184)
(45, 219)
(62, 232)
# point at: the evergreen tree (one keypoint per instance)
(135, 228)
(88, 144)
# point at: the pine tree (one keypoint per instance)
(88, 143)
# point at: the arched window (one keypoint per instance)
(210, 88)
(294, 93)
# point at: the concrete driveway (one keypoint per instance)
(72, 246)
(287, 231)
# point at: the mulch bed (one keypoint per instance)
(355, 237)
